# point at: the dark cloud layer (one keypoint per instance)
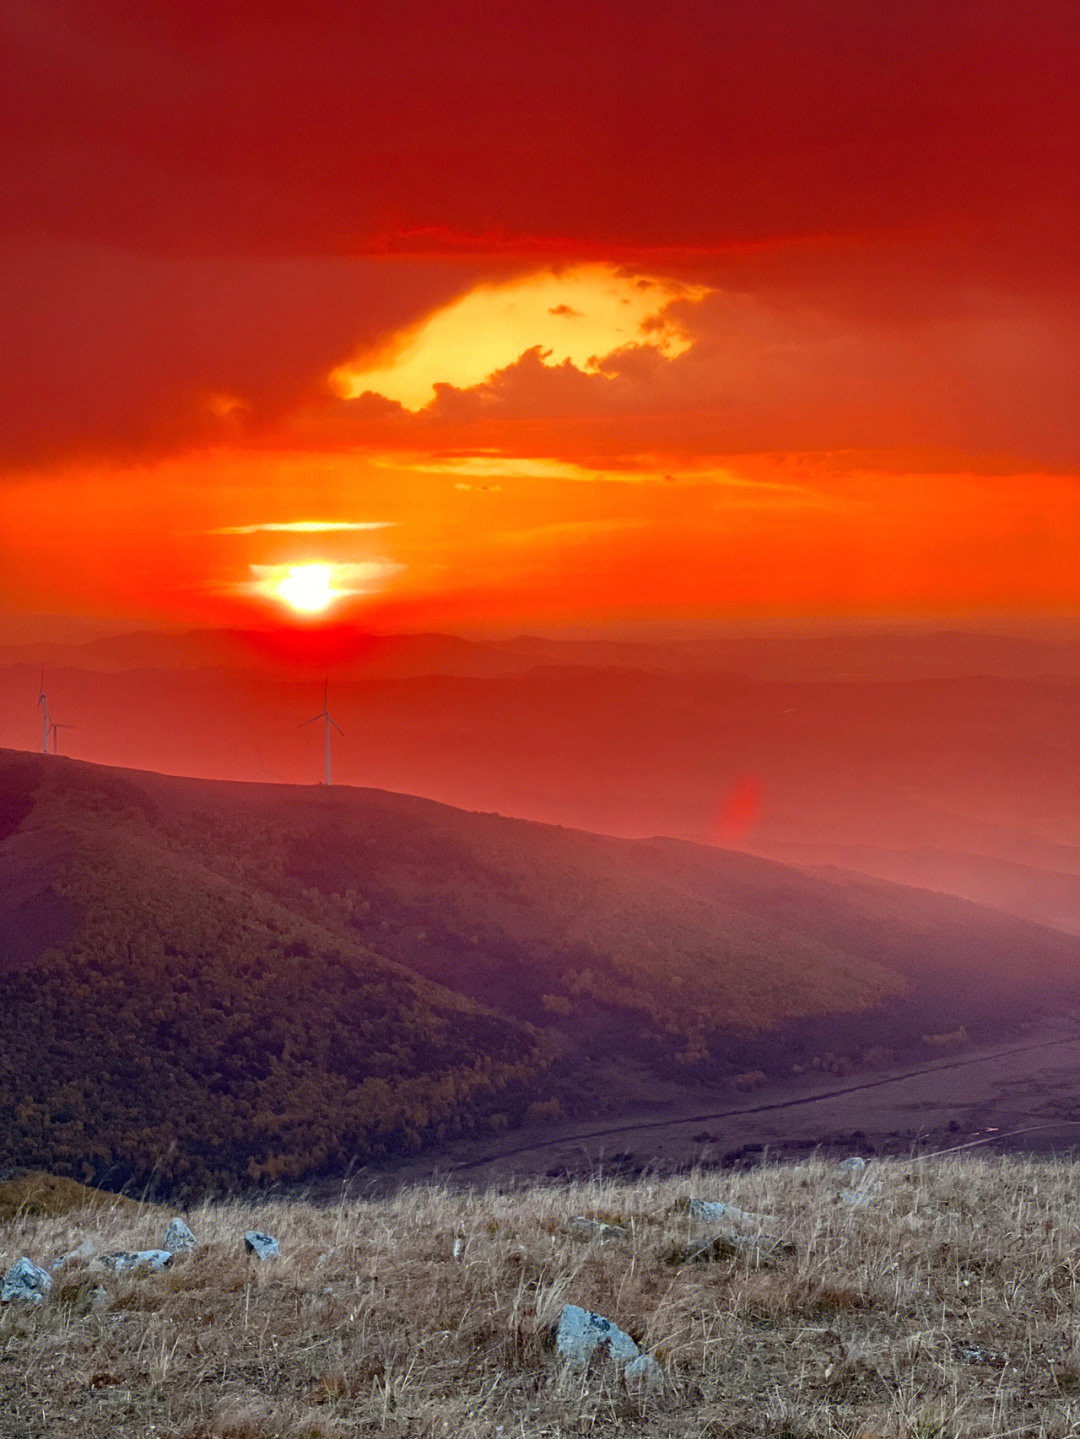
(188, 188)
(134, 354)
(273, 127)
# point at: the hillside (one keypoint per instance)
(162, 1017)
(937, 1299)
(216, 982)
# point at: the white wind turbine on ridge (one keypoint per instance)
(48, 726)
(325, 716)
(45, 721)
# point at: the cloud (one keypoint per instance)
(140, 355)
(569, 530)
(487, 329)
(258, 128)
(635, 470)
(210, 209)
(486, 466)
(986, 384)
(305, 527)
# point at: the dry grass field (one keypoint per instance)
(944, 1305)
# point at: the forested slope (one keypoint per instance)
(222, 982)
(191, 1026)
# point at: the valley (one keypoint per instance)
(1011, 1097)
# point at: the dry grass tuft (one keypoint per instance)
(946, 1307)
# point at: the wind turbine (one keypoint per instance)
(45, 721)
(324, 715)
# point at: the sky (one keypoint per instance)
(431, 316)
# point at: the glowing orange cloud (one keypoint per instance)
(576, 316)
(305, 527)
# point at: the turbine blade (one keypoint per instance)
(335, 724)
(310, 721)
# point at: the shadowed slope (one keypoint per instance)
(264, 981)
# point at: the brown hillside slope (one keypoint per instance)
(192, 1028)
(227, 981)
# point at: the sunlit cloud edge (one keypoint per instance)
(304, 527)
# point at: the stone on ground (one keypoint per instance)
(126, 1259)
(86, 1250)
(856, 1196)
(25, 1281)
(580, 1333)
(178, 1238)
(265, 1246)
(727, 1241)
(714, 1210)
(585, 1228)
(761, 1250)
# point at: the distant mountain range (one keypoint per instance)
(950, 761)
(223, 982)
(760, 652)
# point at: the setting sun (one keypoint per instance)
(307, 588)
(312, 587)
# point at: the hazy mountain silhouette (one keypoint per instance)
(801, 751)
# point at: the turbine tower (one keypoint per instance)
(324, 715)
(45, 721)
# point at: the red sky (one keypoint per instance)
(565, 310)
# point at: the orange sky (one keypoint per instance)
(543, 313)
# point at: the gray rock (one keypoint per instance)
(126, 1259)
(580, 1333)
(728, 1241)
(262, 1245)
(584, 1228)
(644, 1367)
(971, 1353)
(715, 1210)
(26, 1281)
(178, 1238)
(86, 1250)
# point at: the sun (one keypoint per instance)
(314, 586)
(307, 588)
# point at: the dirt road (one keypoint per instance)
(1017, 1095)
